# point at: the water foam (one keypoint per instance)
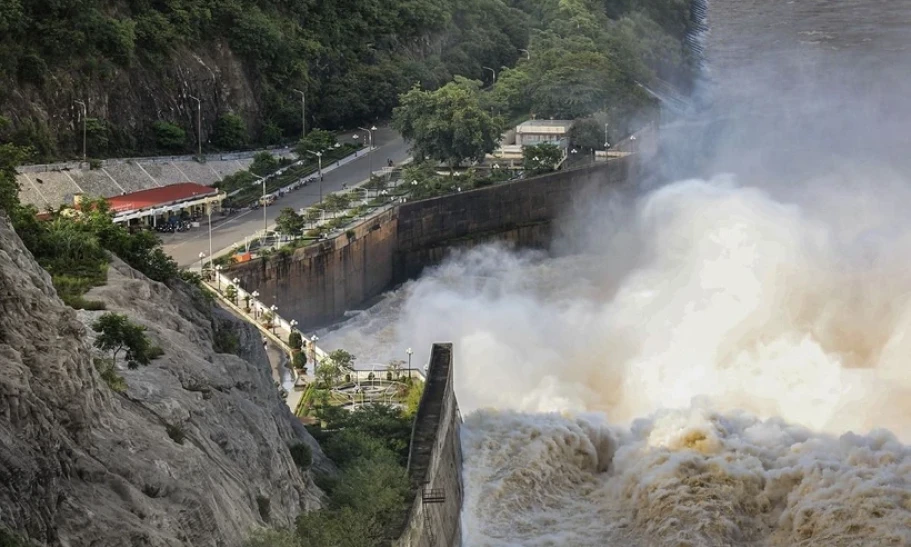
(732, 337)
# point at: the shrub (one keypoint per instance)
(108, 373)
(116, 333)
(225, 340)
(299, 361)
(302, 455)
(176, 432)
(230, 132)
(295, 340)
(169, 136)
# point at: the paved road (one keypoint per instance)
(185, 247)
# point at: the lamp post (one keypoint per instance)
(202, 256)
(255, 295)
(319, 168)
(198, 125)
(409, 352)
(209, 214)
(273, 308)
(303, 112)
(492, 71)
(293, 323)
(218, 269)
(85, 115)
(236, 283)
(605, 135)
(369, 149)
(262, 242)
(527, 53)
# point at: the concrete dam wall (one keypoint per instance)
(435, 461)
(319, 283)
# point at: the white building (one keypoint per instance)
(533, 132)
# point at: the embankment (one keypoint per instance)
(435, 461)
(319, 283)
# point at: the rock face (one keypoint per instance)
(82, 465)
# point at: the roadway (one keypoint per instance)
(185, 247)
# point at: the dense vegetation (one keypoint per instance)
(369, 497)
(352, 58)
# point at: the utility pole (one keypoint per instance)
(369, 149)
(85, 114)
(303, 113)
(198, 124)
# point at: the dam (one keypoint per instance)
(718, 358)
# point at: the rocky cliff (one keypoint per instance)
(82, 465)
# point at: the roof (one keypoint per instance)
(165, 195)
(530, 126)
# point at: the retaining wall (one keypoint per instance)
(318, 284)
(435, 461)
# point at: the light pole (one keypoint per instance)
(369, 149)
(492, 71)
(319, 167)
(605, 135)
(209, 214)
(274, 309)
(262, 242)
(293, 324)
(527, 53)
(236, 283)
(198, 125)
(218, 269)
(303, 113)
(85, 115)
(409, 352)
(254, 295)
(202, 256)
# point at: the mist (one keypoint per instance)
(719, 354)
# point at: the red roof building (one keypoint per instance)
(158, 197)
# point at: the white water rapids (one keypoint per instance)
(693, 379)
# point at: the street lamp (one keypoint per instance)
(409, 352)
(527, 53)
(202, 255)
(319, 167)
(85, 115)
(254, 295)
(605, 133)
(198, 124)
(303, 113)
(218, 268)
(369, 149)
(209, 214)
(262, 242)
(293, 324)
(492, 71)
(274, 309)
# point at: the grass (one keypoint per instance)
(109, 375)
(71, 288)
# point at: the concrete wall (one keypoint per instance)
(435, 461)
(318, 284)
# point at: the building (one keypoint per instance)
(158, 205)
(533, 132)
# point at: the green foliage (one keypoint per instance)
(299, 360)
(289, 223)
(169, 136)
(230, 132)
(541, 158)
(264, 164)
(225, 340)
(7, 537)
(587, 133)
(448, 125)
(108, 372)
(413, 398)
(98, 136)
(295, 340)
(231, 293)
(301, 455)
(117, 333)
(317, 140)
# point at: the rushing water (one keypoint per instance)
(715, 367)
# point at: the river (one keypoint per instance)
(726, 362)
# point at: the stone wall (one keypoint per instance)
(319, 283)
(435, 461)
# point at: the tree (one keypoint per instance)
(448, 124)
(289, 223)
(263, 164)
(587, 133)
(231, 293)
(317, 140)
(299, 361)
(295, 340)
(117, 333)
(541, 158)
(169, 136)
(98, 136)
(230, 132)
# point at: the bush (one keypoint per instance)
(302, 455)
(169, 136)
(299, 361)
(118, 334)
(176, 432)
(109, 375)
(295, 340)
(230, 132)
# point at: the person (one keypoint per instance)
(389, 162)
